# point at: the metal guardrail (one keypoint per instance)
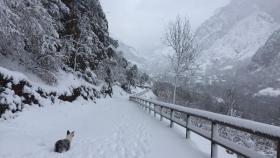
(259, 129)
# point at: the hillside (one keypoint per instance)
(154, 63)
(268, 55)
(239, 39)
(132, 55)
(58, 50)
(265, 64)
(234, 34)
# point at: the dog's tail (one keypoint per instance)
(58, 149)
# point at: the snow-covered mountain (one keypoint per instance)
(266, 62)
(153, 63)
(158, 61)
(235, 33)
(240, 52)
(131, 55)
(269, 54)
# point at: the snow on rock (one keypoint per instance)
(17, 90)
(269, 92)
(12, 74)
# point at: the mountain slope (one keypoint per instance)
(265, 64)
(46, 36)
(131, 55)
(219, 24)
(45, 41)
(269, 54)
(154, 63)
(235, 33)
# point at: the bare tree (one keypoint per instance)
(179, 37)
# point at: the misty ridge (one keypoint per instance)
(221, 56)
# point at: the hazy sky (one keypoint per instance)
(141, 23)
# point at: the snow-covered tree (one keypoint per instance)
(144, 78)
(132, 75)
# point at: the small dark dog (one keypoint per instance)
(64, 144)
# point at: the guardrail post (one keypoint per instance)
(139, 103)
(161, 110)
(187, 129)
(278, 149)
(171, 118)
(146, 105)
(214, 147)
(155, 114)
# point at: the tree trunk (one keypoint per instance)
(75, 62)
(174, 92)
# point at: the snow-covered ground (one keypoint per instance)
(112, 128)
(269, 92)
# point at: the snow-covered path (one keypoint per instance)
(112, 128)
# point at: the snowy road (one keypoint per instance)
(112, 128)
